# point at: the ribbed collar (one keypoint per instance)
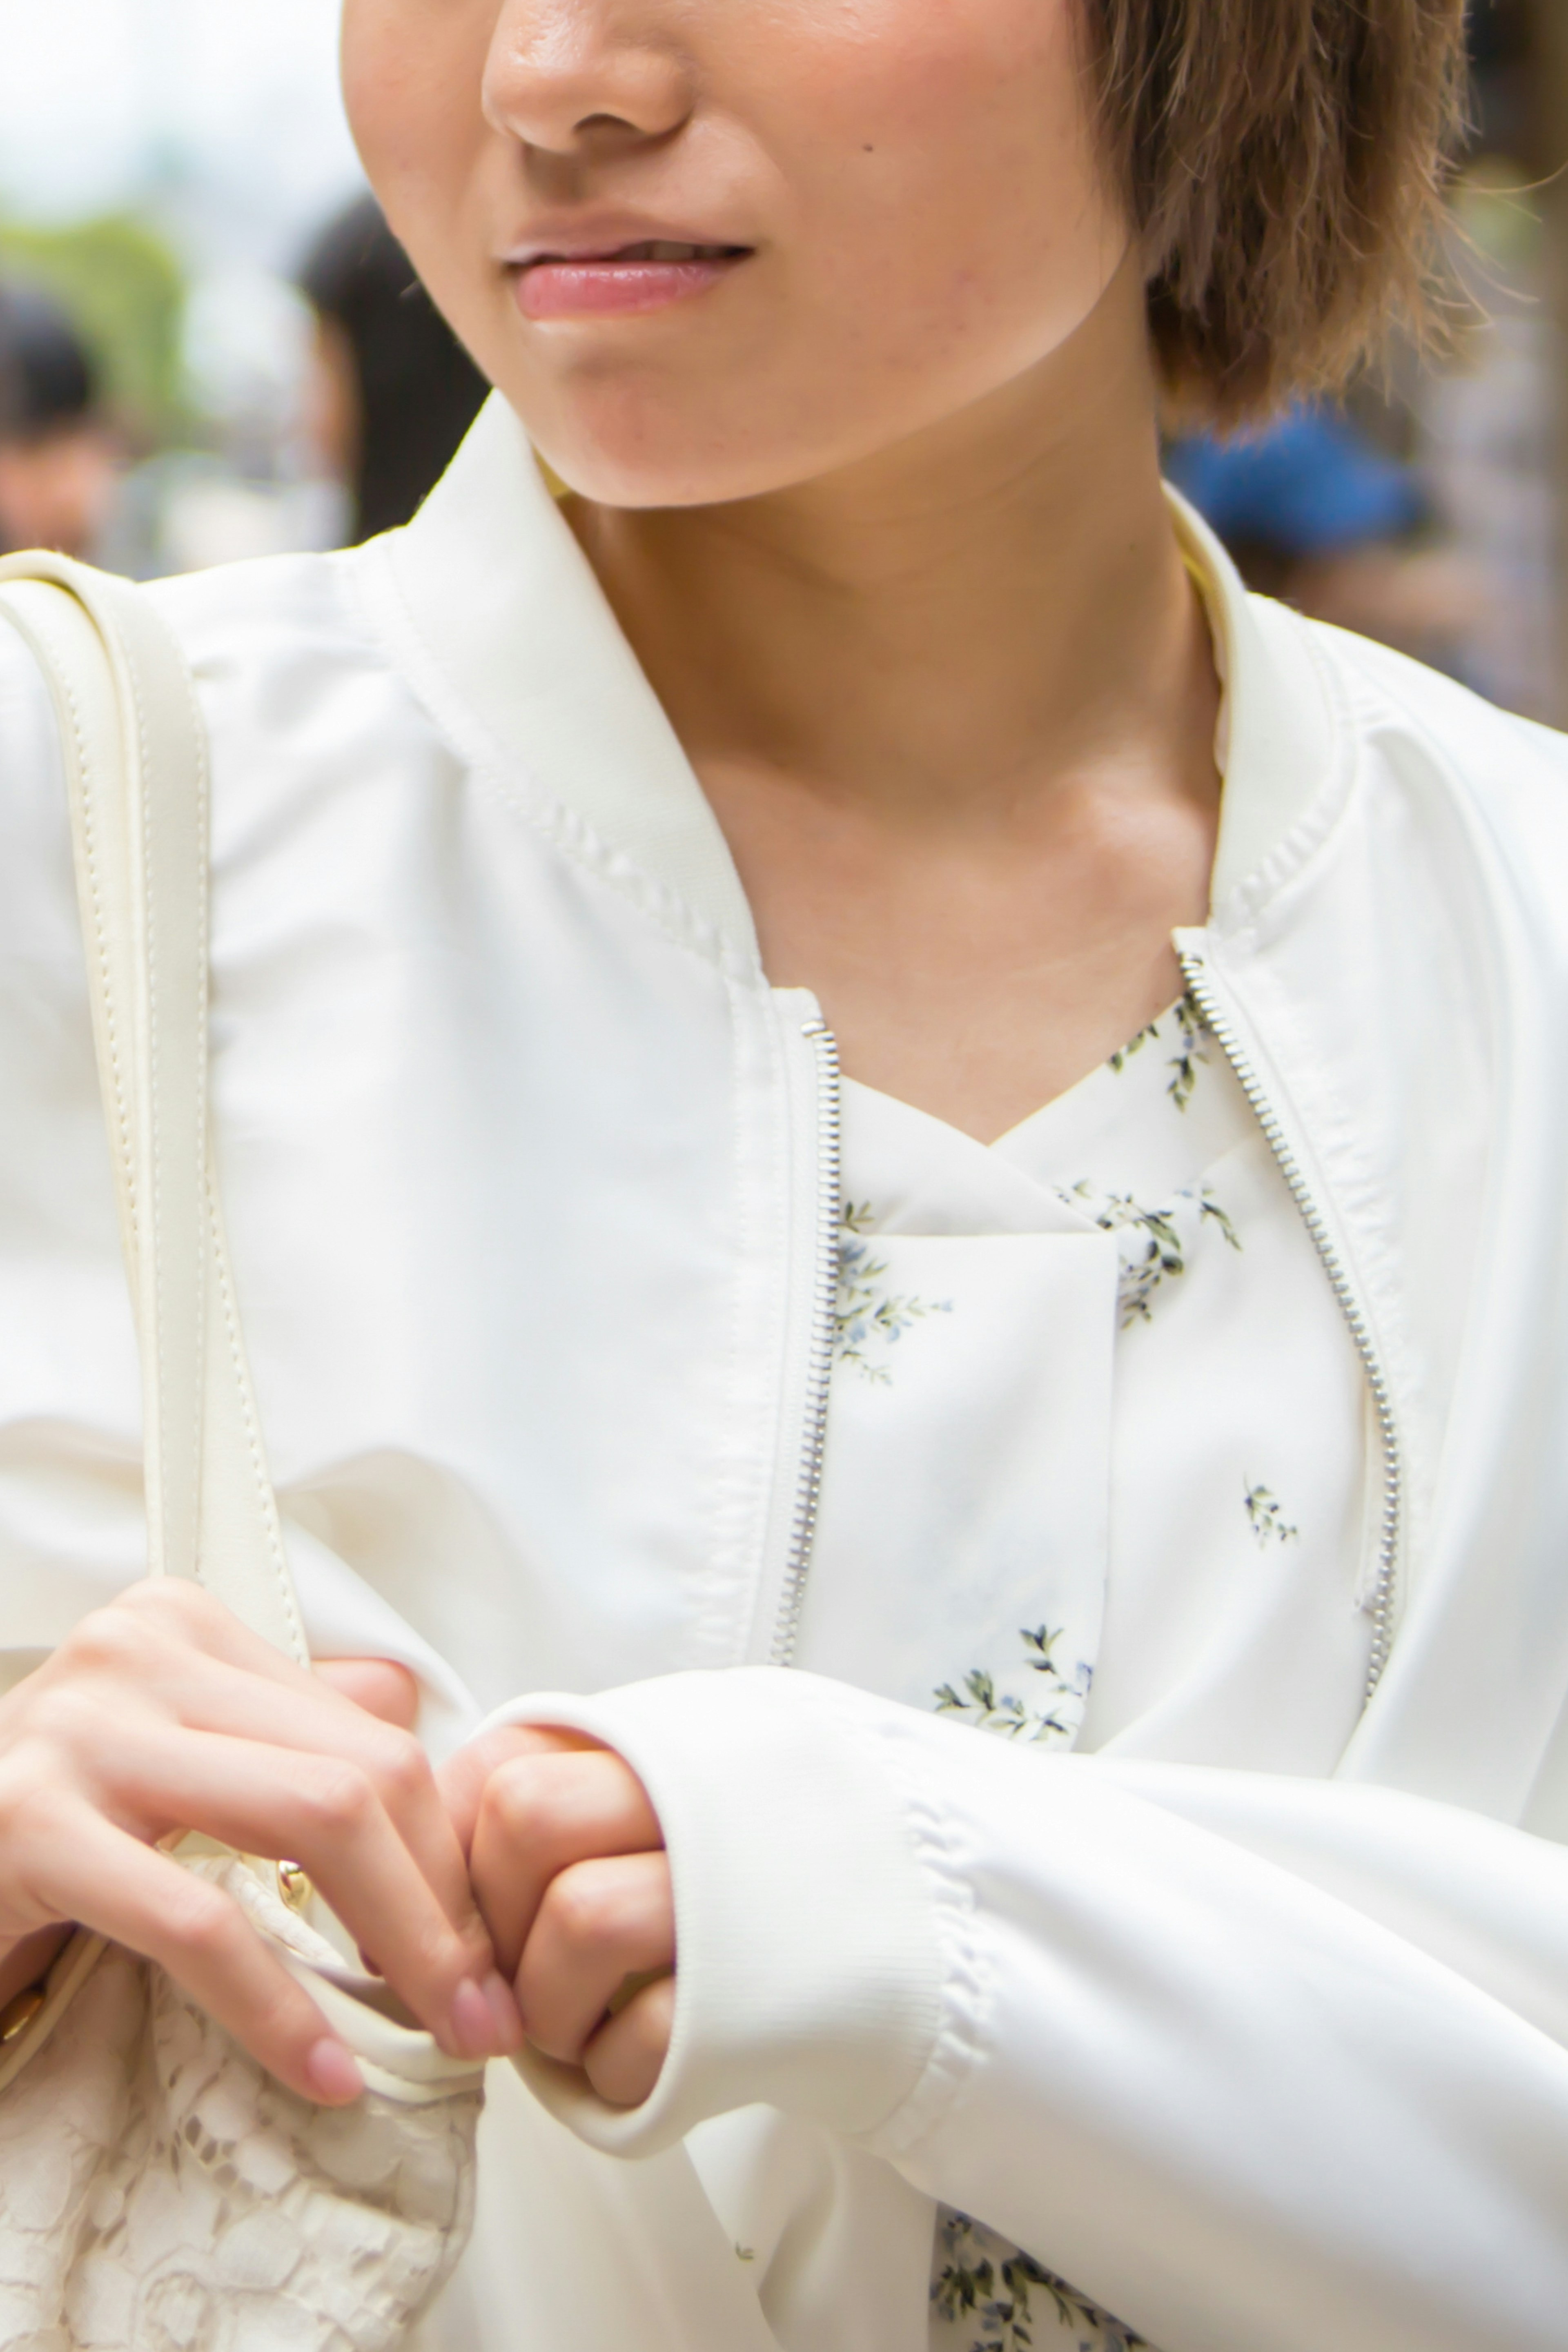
(509, 608)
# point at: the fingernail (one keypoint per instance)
(333, 2076)
(504, 2012)
(473, 2024)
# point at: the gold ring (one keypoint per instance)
(18, 2014)
(294, 1886)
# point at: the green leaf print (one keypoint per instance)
(1063, 1700)
(1209, 1209)
(1191, 1051)
(995, 2298)
(1164, 1252)
(1191, 1044)
(869, 1319)
(1119, 1059)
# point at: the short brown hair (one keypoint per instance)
(1285, 161)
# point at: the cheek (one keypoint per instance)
(953, 166)
(374, 68)
(411, 74)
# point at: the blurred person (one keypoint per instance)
(1315, 513)
(1504, 58)
(394, 391)
(900, 1175)
(60, 457)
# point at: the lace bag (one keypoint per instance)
(158, 2191)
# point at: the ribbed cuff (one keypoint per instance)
(810, 1973)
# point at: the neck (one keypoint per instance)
(986, 610)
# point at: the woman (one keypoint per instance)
(866, 704)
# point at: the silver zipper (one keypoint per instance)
(1235, 1054)
(823, 1337)
(824, 1323)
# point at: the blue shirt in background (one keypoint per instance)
(1308, 485)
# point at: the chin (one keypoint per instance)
(641, 438)
(627, 452)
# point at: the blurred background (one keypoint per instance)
(211, 348)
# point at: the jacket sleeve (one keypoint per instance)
(1262, 2065)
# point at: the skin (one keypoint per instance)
(879, 508)
(567, 1857)
(880, 514)
(879, 511)
(163, 1713)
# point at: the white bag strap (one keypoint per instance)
(136, 765)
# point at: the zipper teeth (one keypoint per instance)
(823, 1335)
(1223, 1029)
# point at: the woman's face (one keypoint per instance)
(710, 248)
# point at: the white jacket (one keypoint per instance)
(523, 1159)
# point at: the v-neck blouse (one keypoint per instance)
(1096, 1469)
(1098, 1367)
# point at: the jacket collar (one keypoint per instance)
(509, 608)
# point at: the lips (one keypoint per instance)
(653, 249)
(620, 279)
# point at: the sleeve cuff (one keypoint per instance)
(808, 1916)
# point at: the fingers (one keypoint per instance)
(464, 1777)
(600, 1922)
(138, 1897)
(540, 1813)
(625, 2058)
(566, 1855)
(319, 1725)
(164, 1711)
(168, 1634)
(147, 1626)
(191, 1688)
(332, 1816)
(387, 1691)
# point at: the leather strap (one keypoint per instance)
(136, 766)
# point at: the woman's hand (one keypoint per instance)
(567, 1861)
(163, 1713)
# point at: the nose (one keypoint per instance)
(575, 78)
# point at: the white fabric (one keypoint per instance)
(1050, 1436)
(976, 1420)
(1055, 1357)
(1262, 2063)
(157, 2187)
(154, 2183)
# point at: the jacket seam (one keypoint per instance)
(966, 1996)
(1290, 864)
(564, 828)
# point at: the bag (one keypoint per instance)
(158, 2191)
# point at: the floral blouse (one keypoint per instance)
(1094, 1406)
